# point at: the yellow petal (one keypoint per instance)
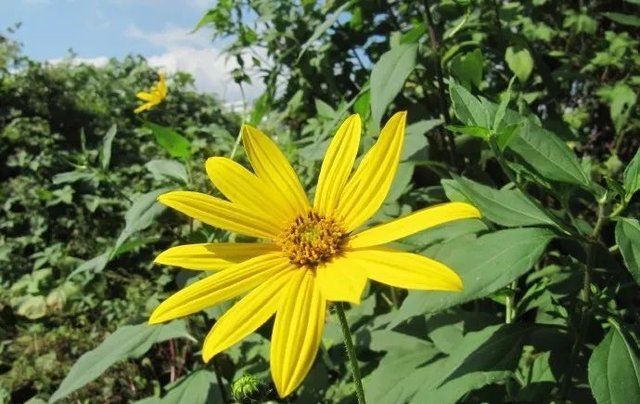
(337, 165)
(297, 332)
(340, 280)
(212, 256)
(245, 316)
(219, 213)
(413, 223)
(244, 188)
(144, 96)
(405, 270)
(271, 166)
(369, 185)
(220, 286)
(143, 107)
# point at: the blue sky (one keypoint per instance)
(99, 29)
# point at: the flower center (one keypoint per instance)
(312, 239)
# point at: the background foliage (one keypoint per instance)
(526, 109)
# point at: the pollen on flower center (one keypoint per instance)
(312, 239)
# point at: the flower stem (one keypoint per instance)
(351, 353)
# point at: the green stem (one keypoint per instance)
(237, 143)
(435, 40)
(351, 353)
(510, 305)
(394, 298)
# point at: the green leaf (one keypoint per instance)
(388, 77)
(624, 19)
(72, 176)
(475, 131)
(467, 68)
(631, 177)
(614, 370)
(131, 341)
(489, 263)
(168, 169)
(484, 357)
(362, 105)
(505, 136)
(621, 99)
(177, 145)
(519, 61)
(106, 146)
(502, 108)
(548, 155)
(322, 28)
(412, 371)
(508, 208)
(628, 239)
(468, 108)
(260, 109)
(141, 215)
(196, 388)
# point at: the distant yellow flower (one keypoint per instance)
(313, 254)
(154, 97)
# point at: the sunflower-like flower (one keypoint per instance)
(312, 254)
(155, 96)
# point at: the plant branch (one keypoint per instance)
(351, 353)
(435, 39)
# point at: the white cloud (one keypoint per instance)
(97, 61)
(211, 72)
(171, 37)
(196, 54)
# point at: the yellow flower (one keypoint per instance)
(154, 97)
(312, 254)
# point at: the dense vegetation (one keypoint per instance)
(527, 110)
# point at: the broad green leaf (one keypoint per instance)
(502, 108)
(105, 158)
(130, 341)
(506, 135)
(467, 68)
(362, 105)
(209, 18)
(175, 144)
(488, 263)
(631, 177)
(468, 108)
(475, 131)
(548, 155)
(260, 108)
(168, 169)
(141, 214)
(401, 181)
(508, 208)
(322, 28)
(32, 307)
(72, 176)
(621, 98)
(614, 369)
(484, 357)
(628, 239)
(411, 371)
(325, 109)
(415, 143)
(196, 388)
(388, 77)
(519, 61)
(399, 374)
(624, 19)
